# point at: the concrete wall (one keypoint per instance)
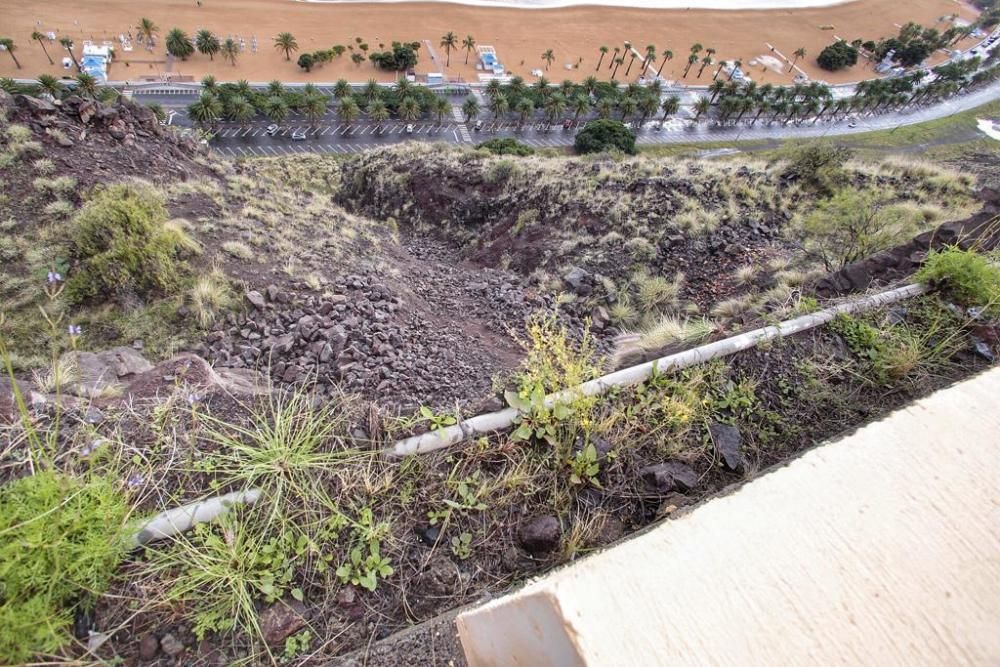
(879, 549)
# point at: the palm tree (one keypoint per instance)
(542, 86)
(348, 110)
(209, 83)
(342, 89)
(50, 85)
(670, 106)
(239, 109)
(449, 42)
(555, 106)
(207, 43)
(799, 53)
(516, 87)
(493, 88)
(275, 88)
(604, 107)
(649, 59)
(206, 110)
(378, 112)
(469, 44)
(580, 104)
(86, 85)
(230, 50)
(737, 65)
(179, 44)
(604, 52)
(499, 105)
(716, 88)
(403, 88)
(762, 107)
(67, 44)
(314, 107)
(692, 59)
(147, 30)
(702, 106)
(524, 108)
(648, 106)
(627, 106)
(470, 109)
(275, 108)
(548, 57)
(440, 107)
(285, 42)
(630, 62)
(618, 61)
(8, 44)
(667, 55)
(409, 109)
(372, 91)
(38, 37)
(615, 57)
(705, 62)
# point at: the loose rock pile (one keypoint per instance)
(361, 338)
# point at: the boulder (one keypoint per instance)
(281, 620)
(728, 441)
(35, 105)
(670, 476)
(541, 535)
(256, 299)
(101, 372)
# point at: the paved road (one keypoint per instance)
(332, 135)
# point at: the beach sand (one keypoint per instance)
(520, 36)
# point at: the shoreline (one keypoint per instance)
(714, 5)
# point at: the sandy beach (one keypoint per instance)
(520, 36)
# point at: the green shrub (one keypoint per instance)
(61, 542)
(121, 247)
(968, 276)
(602, 135)
(852, 225)
(507, 146)
(820, 167)
(837, 56)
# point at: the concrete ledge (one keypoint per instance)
(882, 548)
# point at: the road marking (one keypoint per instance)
(325, 130)
(284, 132)
(329, 147)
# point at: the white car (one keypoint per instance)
(299, 135)
(852, 124)
(409, 128)
(271, 130)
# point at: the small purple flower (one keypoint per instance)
(135, 480)
(74, 330)
(193, 398)
(92, 447)
(55, 277)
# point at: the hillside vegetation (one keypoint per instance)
(174, 328)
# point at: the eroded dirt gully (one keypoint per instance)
(424, 328)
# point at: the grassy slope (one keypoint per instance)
(937, 139)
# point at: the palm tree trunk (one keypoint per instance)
(616, 70)
(599, 61)
(15, 58)
(661, 68)
(719, 71)
(754, 121)
(629, 68)
(46, 51)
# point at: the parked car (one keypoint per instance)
(567, 124)
(852, 124)
(409, 128)
(478, 126)
(299, 135)
(272, 129)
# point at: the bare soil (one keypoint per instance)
(519, 36)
